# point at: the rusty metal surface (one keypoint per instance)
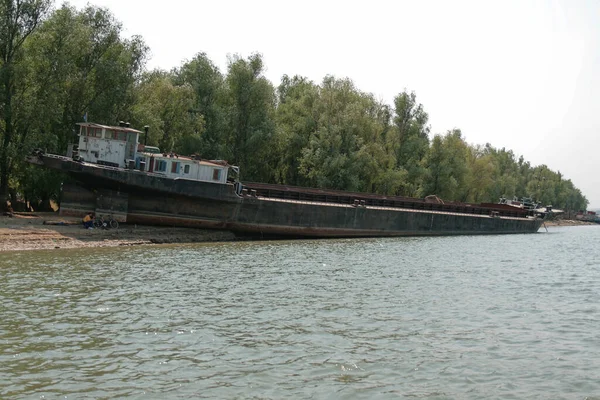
(334, 196)
(119, 179)
(76, 201)
(282, 231)
(275, 211)
(173, 220)
(334, 219)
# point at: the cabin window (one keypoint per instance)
(93, 132)
(216, 174)
(175, 167)
(161, 166)
(116, 135)
(186, 169)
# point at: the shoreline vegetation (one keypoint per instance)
(67, 65)
(46, 231)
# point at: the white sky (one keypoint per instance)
(520, 74)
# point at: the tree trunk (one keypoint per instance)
(8, 128)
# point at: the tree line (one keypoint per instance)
(57, 65)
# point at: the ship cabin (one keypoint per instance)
(107, 145)
(150, 159)
(118, 146)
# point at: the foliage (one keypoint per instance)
(410, 139)
(18, 21)
(250, 109)
(209, 93)
(445, 166)
(168, 110)
(58, 67)
(74, 63)
(296, 121)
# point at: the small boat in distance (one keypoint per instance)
(134, 183)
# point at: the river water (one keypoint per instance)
(512, 316)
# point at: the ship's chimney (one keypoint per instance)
(121, 123)
(146, 135)
(127, 125)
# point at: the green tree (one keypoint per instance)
(79, 65)
(57, 68)
(209, 94)
(18, 20)
(74, 64)
(328, 159)
(347, 149)
(411, 139)
(168, 110)
(296, 121)
(105, 70)
(251, 118)
(506, 174)
(446, 166)
(479, 179)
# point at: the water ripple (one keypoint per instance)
(468, 317)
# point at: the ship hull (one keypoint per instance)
(305, 219)
(268, 210)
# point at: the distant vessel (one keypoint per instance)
(588, 216)
(139, 184)
(527, 203)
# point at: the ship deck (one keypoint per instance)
(324, 196)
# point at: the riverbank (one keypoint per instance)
(50, 231)
(568, 222)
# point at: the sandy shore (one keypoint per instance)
(568, 222)
(39, 231)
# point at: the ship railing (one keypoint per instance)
(57, 157)
(64, 158)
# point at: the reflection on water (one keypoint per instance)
(450, 317)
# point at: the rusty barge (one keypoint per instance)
(138, 184)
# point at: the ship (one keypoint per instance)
(588, 216)
(117, 176)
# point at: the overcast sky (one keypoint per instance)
(520, 74)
